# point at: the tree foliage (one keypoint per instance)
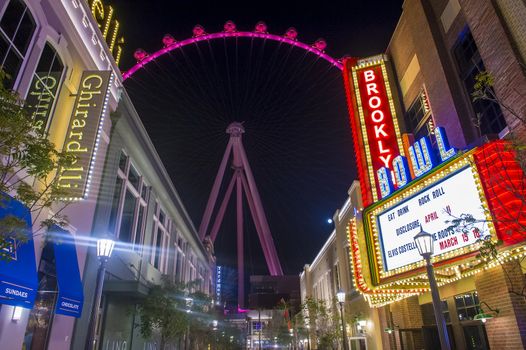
(173, 310)
(28, 169)
(320, 319)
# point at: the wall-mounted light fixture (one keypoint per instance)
(482, 316)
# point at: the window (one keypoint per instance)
(428, 313)
(128, 211)
(470, 64)
(418, 117)
(179, 259)
(17, 27)
(162, 225)
(337, 277)
(44, 87)
(468, 305)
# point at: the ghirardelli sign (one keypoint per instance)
(83, 133)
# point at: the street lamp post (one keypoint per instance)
(104, 250)
(308, 337)
(424, 243)
(341, 300)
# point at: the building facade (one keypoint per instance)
(48, 49)
(156, 239)
(330, 272)
(60, 57)
(412, 97)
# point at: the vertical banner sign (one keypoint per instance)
(41, 98)
(83, 134)
(371, 104)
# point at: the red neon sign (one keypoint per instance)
(381, 135)
(504, 183)
(373, 118)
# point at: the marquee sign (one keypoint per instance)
(454, 192)
(82, 138)
(454, 197)
(461, 197)
(480, 189)
(373, 117)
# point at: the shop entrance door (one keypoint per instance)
(41, 316)
(358, 343)
(411, 339)
(476, 338)
(432, 340)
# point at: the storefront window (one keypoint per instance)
(115, 204)
(17, 27)
(41, 316)
(467, 305)
(128, 215)
(161, 241)
(42, 93)
(128, 212)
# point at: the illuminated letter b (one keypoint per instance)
(369, 75)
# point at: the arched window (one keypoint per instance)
(17, 27)
(44, 88)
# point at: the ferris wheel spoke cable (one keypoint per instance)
(205, 90)
(213, 80)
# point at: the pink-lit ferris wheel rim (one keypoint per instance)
(234, 34)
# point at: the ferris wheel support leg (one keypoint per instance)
(222, 209)
(275, 266)
(214, 193)
(240, 245)
(257, 223)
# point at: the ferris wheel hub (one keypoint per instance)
(235, 129)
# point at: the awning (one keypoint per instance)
(70, 296)
(18, 274)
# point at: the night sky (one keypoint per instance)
(297, 138)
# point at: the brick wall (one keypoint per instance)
(407, 319)
(418, 32)
(508, 330)
(406, 313)
(499, 57)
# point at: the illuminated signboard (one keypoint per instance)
(218, 284)
(453, 191)
(454, 197)
(423, 158)
(480, 189)
(82, 138)
(372, 108)
(109, 27)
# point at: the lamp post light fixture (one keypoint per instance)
(341, 300)
(424, 242)
(308, 336)
(104, 250)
